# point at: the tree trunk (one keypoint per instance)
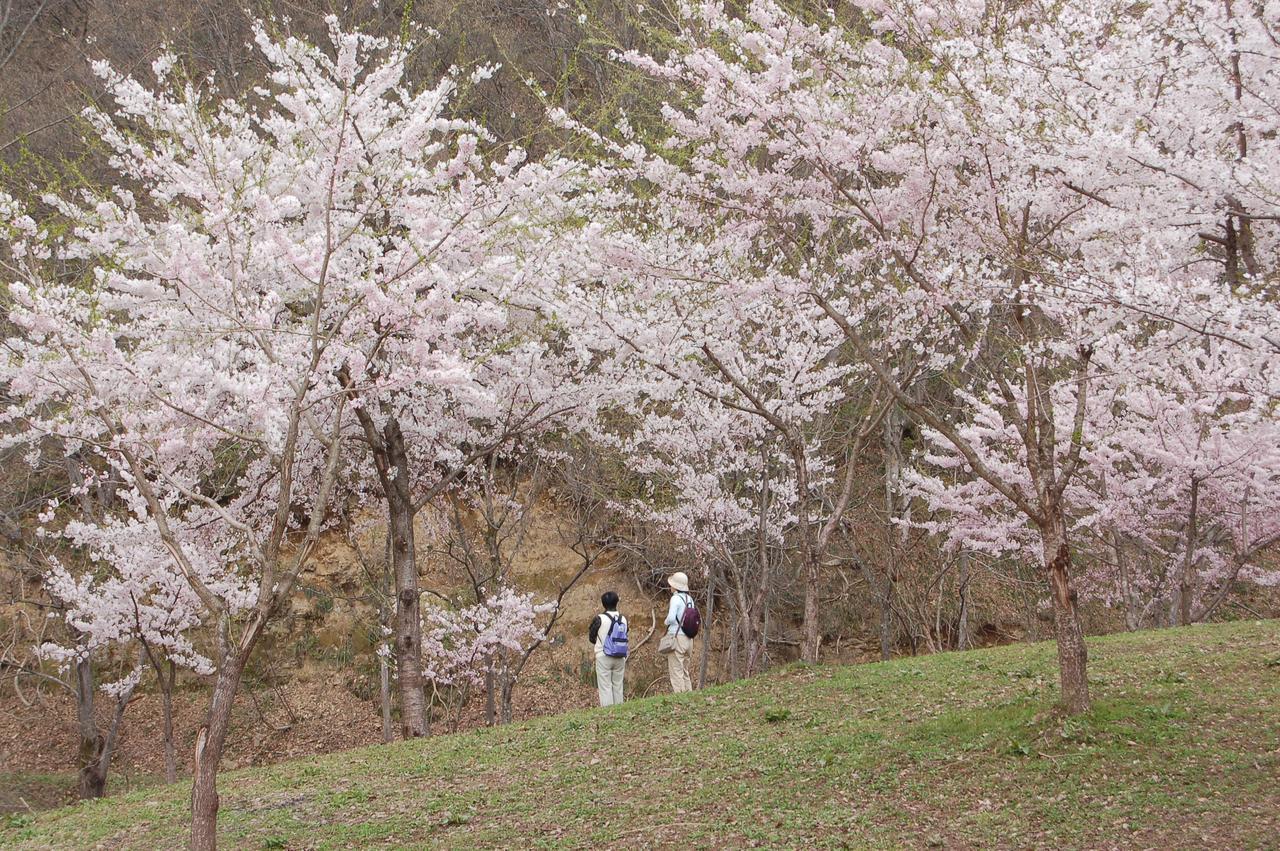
(113, 732)
(812, 575)
(506, 710)
(886, 618)
(1187, 581)
(384, 694)
(208, 754)
(404, 566)
(1073, 657)
(963, 639)
(882, 589)
(734, 627)
(892, 445)
(490, 699)
(763, 644)
(755, 624)
(809, 650)
(384, 624)
(93, 783)
(392, 463)
(706, 629)
(1128, 594)
(166, 702)
(754, 603)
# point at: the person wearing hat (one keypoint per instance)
(680, 644)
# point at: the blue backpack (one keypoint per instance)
(615, 640)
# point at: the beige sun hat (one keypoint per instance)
(679, 581)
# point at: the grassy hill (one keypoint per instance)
(961, 750)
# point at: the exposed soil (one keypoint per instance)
(324, 699)
(321, 693)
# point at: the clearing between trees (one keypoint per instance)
(959, 750)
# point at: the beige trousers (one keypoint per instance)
(609, 675)
(678, 663)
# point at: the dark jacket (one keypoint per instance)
(594, 632)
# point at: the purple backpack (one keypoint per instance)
(615, 640)
(691, 620)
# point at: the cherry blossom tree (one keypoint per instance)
(189, 357)
(938, 182)
(463, 645)
(690, 331)
(711, 477)
(132, 601)
(486, 528)
(1163, 120)
(329, 274)
(224, 338)
(1166, 130)
(82, 653)
(1185, 478)
(870, 222)
(1176, 496)
(433, 422)
(456, 358)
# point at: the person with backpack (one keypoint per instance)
(608, 634)
(683, 622)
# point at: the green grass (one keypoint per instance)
(960, 750)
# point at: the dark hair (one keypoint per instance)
(609, 599)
